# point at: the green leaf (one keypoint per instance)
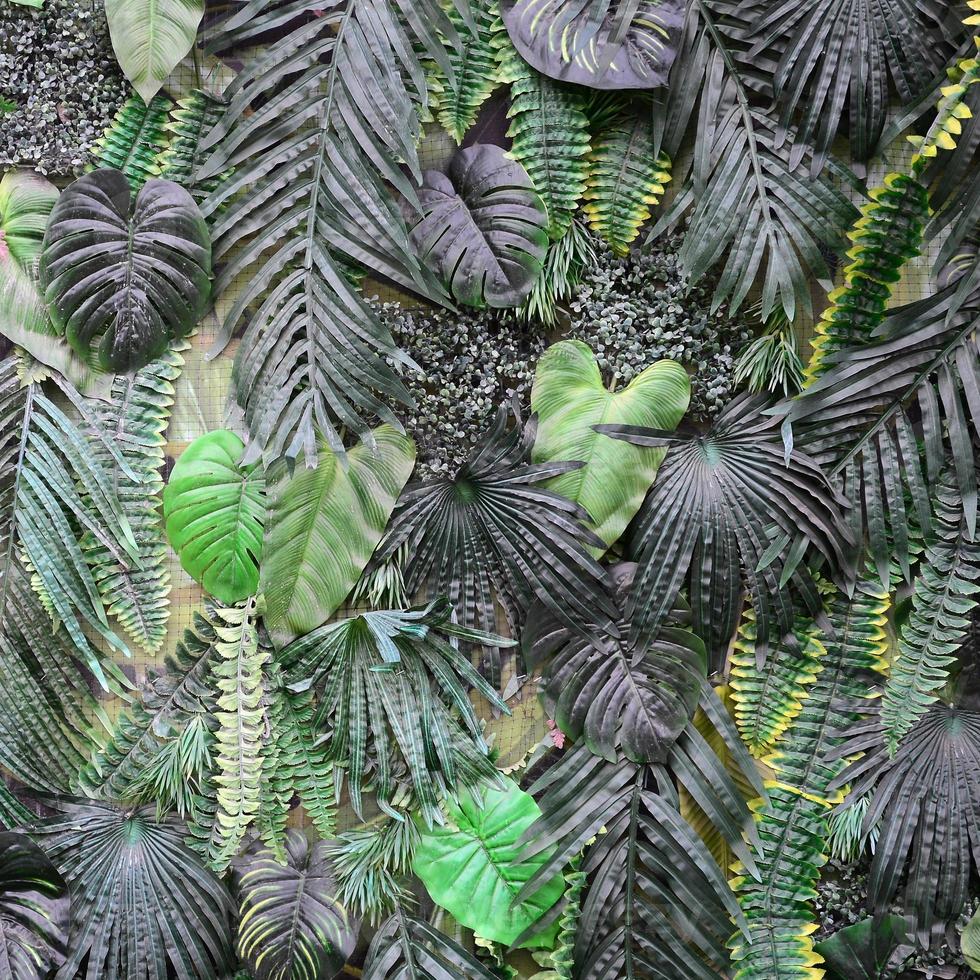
(214, 509)
(323, 527)
(135, 140)
(26, 200)
(483, 228)
(123, 283)
(291, 926)
(970, 942)
(34, 905)
(869, 949)
(150, 37)
(569, 399)
(473, 867)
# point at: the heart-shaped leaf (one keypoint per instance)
(473, 867)
(569, 399)
(605, 44)
(26, 200)
(125, 284)
(324, 525)
(214, 509)
(483, 228)
(150, 37)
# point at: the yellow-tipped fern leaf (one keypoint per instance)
(135, 139)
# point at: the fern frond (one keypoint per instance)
(563, 955)
(550, 135)
(939, 620)
(135, 420)
(883, 239)
(769, 697)
(135, 140)
(474, 76)
(275, 795)
(792, 827)
(190, 120)
(626, 179)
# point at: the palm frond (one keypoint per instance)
(135, 420)
(549, 131)
(317, 127)
(792, 826)
(492, 532)
(191, 119)
(566, 261)
(771, 362)
(136, 139)
(939, 620)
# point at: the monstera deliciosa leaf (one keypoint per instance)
(323, 526)
(473, 866)
(483, 229)
(214, 509)
(26, 200)
(605, 44)
(292, 927)
(150, 37)
(569, 399)
(123, 278)
(33, 910)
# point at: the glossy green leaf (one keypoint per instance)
(970, 942)
(26, 200)
(869, 949)
(150, 37)
(569, 398)
(473, 867)
(214, 509)
(323, 527)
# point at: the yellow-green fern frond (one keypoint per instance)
(191, 119)
(135, 139)
(626, 180)
(768, 698)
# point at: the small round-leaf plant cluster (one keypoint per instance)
(59, 84)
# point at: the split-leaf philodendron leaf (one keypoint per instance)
(569, 399)
(473, 867)
(123, 279)
(324, 525)
(483, 228)
(214, 509)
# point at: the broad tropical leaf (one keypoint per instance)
(389, 686)
(867, 949)
(407, 948)
(473, 866)
(606, 44)
(322, 527)
(34, 907)
(483, 228)
(150, 37)
(291, 926)
(26, 200)
(317, 129)
(626, 177)
(569, 399)
(614, 698)
(728, 505)
(135, 140)
(215, 511)
(123, 280)
(143, 905)
(493, 532)
(549, 133)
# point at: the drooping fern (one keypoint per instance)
(769, 697)
(474, 75)
(190, 119)
(792, 826)
(626, 179)
(550, 134)
(939, 620)
(135, 421)
(135, 140)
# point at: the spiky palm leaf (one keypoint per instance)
(792, 826)
(135, 421)
(135, 140)
(316, 128)
(549, 131)
(728, 504)
(191, 119)
(393, 685)
(492, 531)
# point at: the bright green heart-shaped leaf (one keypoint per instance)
(324, 525)
(150, 37)
(473, 867)
(26, 200)
(214, 510)
(569, 399)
